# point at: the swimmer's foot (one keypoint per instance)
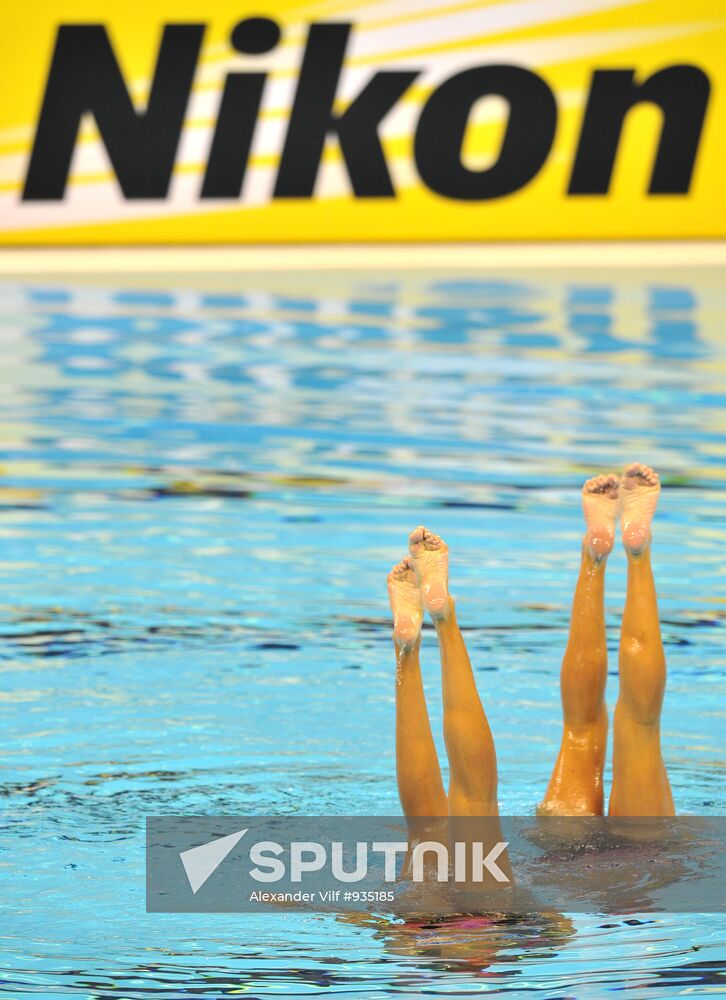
(640, 488)
(600, 500)
(430, 560)
(406, 604)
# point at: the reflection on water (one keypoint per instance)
(202, 484)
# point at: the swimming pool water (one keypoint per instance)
(203, 482)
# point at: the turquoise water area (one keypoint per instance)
(203, 482)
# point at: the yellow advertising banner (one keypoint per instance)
(177, 121)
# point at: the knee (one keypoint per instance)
(639, 708)
(639, 649)
(587, 658)
(632, 646)
(587, 735)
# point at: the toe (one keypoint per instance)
(417, 535)
(631, 477)
(612, 484)
(636, 470)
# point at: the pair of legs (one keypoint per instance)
(640, 783)
(420, 583)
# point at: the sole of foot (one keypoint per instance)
(600, 502)
(640, 489)
(406, 604)
(429, 556)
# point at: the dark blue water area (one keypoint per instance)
(203, 483)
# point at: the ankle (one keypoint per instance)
(598, 546)
(406, 646)
(636, 543)
(444, 613)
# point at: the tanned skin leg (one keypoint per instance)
(420, 787)
(469, 743)
(640, 782)
(576, 785)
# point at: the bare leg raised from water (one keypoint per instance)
(420, 787)
(576, 785)
(640, 782)
(469, 743)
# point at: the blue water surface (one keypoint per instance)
(203, 483)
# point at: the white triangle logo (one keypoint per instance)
(200, 862)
